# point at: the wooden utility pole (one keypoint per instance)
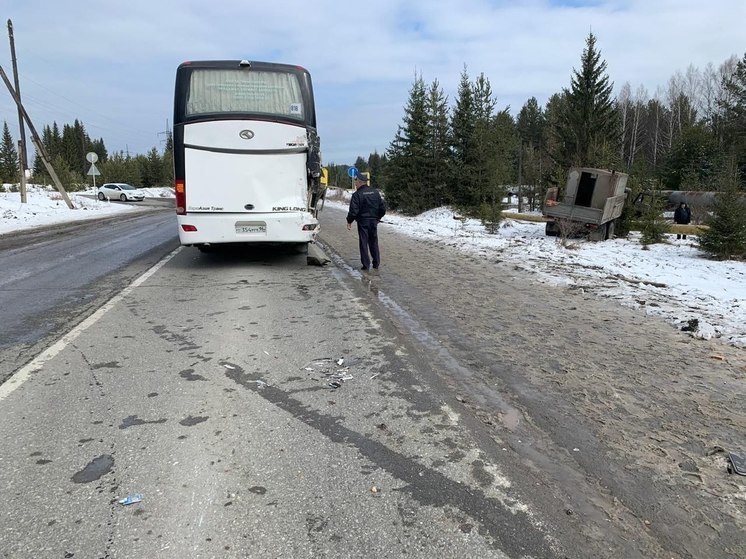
(37, 142)
(22, 132)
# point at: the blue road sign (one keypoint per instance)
(352, 172)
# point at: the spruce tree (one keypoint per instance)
(438, 147)
(9, 168)
(653, 226)
(168, 161)
(463, 123)
(151, 169)
(530, 125)
(588, 131)
(405, 184)
(725, 237)
(482, 158)
(376, 164)
(74, 146)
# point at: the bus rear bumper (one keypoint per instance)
(204, 229)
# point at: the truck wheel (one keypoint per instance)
(598, 234)
(610, 229)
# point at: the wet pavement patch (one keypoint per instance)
(189, 374)
(133, 421)
(96, 468)
(189, 421)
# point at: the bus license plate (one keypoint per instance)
(251, 227)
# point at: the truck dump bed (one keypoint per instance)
(591, 198)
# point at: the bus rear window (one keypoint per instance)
(214, 91)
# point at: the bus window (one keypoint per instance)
(244, 91)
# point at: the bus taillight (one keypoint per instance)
(180, 189)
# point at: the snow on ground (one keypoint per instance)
(673, 280)
(45, 206)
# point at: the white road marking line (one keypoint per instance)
(21, 375)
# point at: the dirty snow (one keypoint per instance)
(673, 280)
(45, 206)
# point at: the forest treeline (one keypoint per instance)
(68, 148)
(690, 135)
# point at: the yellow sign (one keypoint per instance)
(324, 176)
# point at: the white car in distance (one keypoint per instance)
(119, 191)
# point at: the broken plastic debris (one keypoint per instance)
(340, 361)
(335, 384)
(130, 499)
(231, 367)
(374, 376)
(737, 464)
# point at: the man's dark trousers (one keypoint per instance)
(367, 232)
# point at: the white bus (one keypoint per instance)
(247, 164)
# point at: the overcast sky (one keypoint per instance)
(111, 64)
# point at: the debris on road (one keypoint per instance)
(333, 369)
(130, 499)
(737, 464)
(316, 256)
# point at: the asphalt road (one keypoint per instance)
(265, 408)
(55, 276)
(207, 387)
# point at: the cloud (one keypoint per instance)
(112, 64)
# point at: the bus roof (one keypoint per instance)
(224, 64)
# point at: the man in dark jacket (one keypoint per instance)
(367, 208)
(682, 215)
